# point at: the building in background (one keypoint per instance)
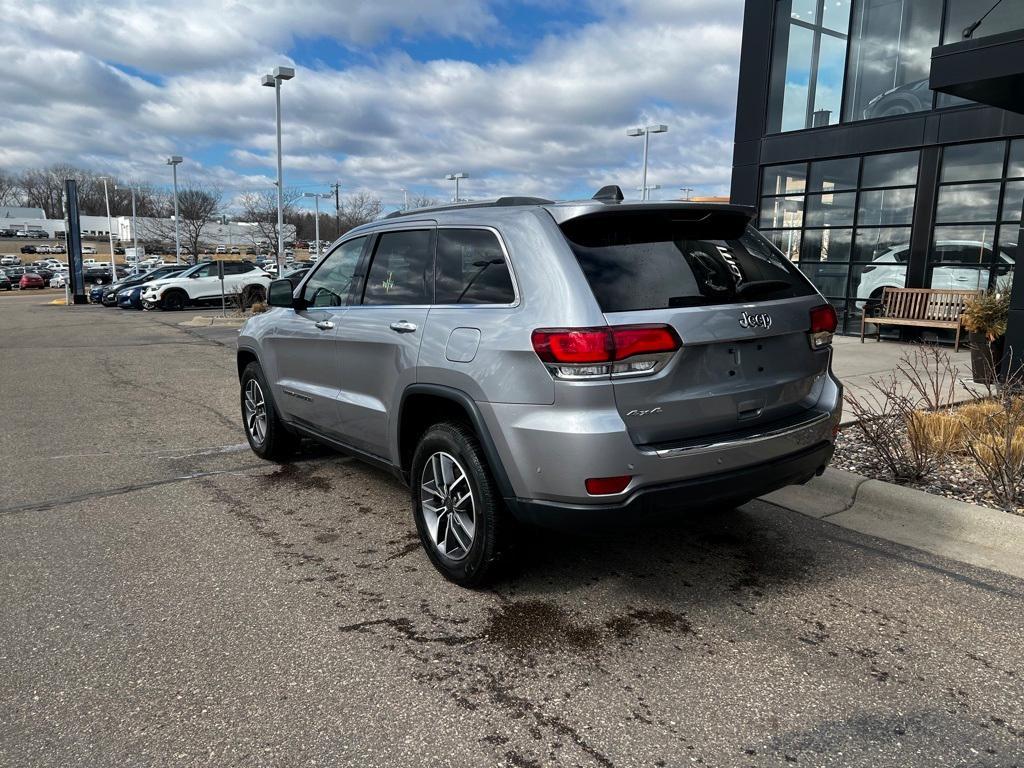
(860, 172)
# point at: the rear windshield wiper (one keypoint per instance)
(761, 287)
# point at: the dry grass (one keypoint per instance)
(937, 432)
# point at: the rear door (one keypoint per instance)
(741, 309)
(379, 339)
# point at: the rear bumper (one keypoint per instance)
(724, 489)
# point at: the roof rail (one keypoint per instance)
(501, 202)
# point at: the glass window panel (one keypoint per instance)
(805, 10)
(828, 278)
(834, 175)
(796, 85)
(868, 281)
(1007, 255)
(1007, 16)
(782, 212)
(886, 207)
(1013, 200)
(831, 210)
(973, 162)
(787, 241)
(402, 270)
(897, 169)
(968, 202)
(828, 90)
(836, 15)
(963, 244)
(890, 57)
(887, 244)
(827, 245)
(470, 268)
(784, 179)
(1016, 166)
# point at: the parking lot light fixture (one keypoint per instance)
(110, 232)
(135, 230)
(316, 201)
(455, 177)
(174, 161)
(646, 132)
(274, 80)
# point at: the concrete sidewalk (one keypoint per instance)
(855, 364)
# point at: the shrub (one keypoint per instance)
(987, 314)
(938, 432)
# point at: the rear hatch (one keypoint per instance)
(741, 309)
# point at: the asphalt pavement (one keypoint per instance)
(169, 599)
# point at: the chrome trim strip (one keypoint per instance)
(669, 453)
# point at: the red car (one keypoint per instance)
(31, 280)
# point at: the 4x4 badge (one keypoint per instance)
(762, 320)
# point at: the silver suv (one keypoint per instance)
(522, 360)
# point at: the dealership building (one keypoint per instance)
(881, 146)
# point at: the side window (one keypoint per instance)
(331, 284)
(471, 268)
(205, 271)
(234, 268)
(401, 270)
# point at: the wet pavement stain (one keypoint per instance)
(624, 627)
(292, 475)
(537, 625)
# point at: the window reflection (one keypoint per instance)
(827, 245)
(784, 179)
(968, 202)
(973, 162)
(1005, 17)
(782, 212)
(890, 57)
(831, 210)
(886, 244)
(896, 169)
(834, 175)
(885, 207)
(1013, 201)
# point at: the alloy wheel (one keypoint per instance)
(255, 412)
(449, 509)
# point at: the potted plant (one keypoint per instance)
(985, 320)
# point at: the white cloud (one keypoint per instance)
(549, 123)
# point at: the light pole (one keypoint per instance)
(455, 177)
(687, 192)
(174, 161)
(648, 189)
(316, 198)
(110, 233)
(274, 80)
(646, 133)
(405, 192)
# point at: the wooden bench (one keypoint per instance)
(920, 308)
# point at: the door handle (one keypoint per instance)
(324, 325)
(403, 326)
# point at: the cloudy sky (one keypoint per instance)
(528, 97)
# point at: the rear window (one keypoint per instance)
(662, 260)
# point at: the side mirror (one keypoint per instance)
(280, 294)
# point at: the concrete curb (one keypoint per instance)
(954, 529)
(201, 321)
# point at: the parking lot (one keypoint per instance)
(169, 599)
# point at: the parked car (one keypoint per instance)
(557, 362)
(5, 282)
(100, 275)
(60, 279)
(29, 249)
(88, 249)
(201, 284)
(14, 274)
(9, 261)
(31, 280)
(58, 248)
(902, 100)
(130, 298)
(235, 250)
(7, 232)
(107, 294)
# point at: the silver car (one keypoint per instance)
(549, 363)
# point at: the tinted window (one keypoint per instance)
(471, 269)
(331, 284)
(401, 270)
(652, 261)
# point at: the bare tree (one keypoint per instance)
(198, 205)
(10, 189)
(260, 209)
(359, 208)
(422, 201)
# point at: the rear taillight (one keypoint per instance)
(615, 350)
(823, 325)
(603, 486)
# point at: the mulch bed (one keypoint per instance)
(956, 477)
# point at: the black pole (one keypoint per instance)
(73, 241)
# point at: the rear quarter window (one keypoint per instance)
(639, 261)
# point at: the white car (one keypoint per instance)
(952, 268)
(88, 249)
(9, 261)
(59, 280)
(201, 283)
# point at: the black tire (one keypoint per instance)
(278, 444)
(493, 525)
(173, 301)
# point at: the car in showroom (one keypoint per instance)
(561, 364)
(962, 265)
(243, 281)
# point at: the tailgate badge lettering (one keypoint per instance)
(643, 411)
(762, 320)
